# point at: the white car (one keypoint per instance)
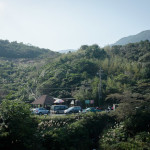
(41, 111)
(74, 109)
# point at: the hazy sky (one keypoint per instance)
(68, 24)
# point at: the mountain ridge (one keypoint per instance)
(142, 36)
(20, 50)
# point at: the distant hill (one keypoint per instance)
(66, 51)
(142, 36)
(20, 50)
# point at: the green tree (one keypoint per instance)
(17, 126)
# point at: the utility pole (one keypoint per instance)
(100, 86)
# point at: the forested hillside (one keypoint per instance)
(125, 69)
(20, 50)
(19, 63)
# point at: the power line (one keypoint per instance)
(49, 88)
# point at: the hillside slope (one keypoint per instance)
(125, 68)
(20, 50)
(76, 74)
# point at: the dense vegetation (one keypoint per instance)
(125, 81)
(21, 130)
(125, 68)
(19, 63)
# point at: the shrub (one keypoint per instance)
(138, 122)
(17, 127)
(79, 135)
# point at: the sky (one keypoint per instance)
(68, 24)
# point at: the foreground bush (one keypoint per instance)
(20, 130)
(80, 135)
(17, 126)
(132, 133)
(139, 122)
(118, 138)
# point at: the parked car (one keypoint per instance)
(58, 109)
(74, 109)
(41, 111)
(91, 109)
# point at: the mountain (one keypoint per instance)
(142, 36)
(20, 50)
(66, 51)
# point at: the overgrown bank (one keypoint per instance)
(21, 130)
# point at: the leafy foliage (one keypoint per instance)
(130, 133)
(17, 127)
(75, 74)
(125, 81)
(80, 133)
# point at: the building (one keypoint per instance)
(44, 101)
